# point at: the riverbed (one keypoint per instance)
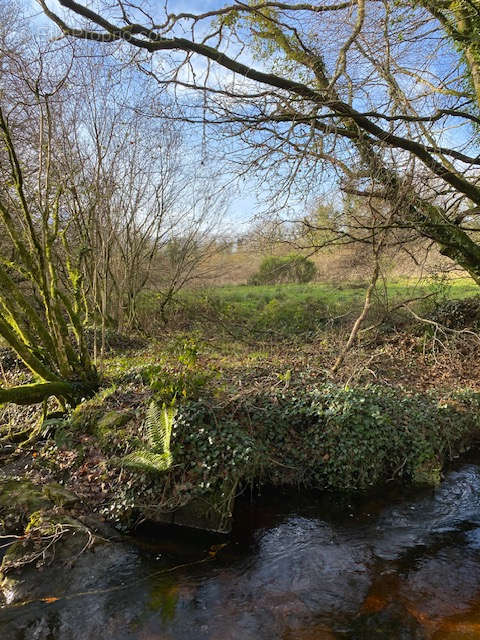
(400, 563)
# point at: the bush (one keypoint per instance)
(293, 268)
(328, 438)
(291, 317)
(458, 314)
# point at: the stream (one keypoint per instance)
(400, 563)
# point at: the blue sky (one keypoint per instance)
(243, 203)
(247, 194)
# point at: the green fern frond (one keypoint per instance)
(148, 461)
(158, 423)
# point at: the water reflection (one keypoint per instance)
(315, 567)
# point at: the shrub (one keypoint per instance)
(291, 317)
(458, 314)
(186, 381)
(281, 269)
(328, 438)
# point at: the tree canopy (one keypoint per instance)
(386, 93)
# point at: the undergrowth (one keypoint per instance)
(294, 310)
(331, 437)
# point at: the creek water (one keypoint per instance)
(296, 566)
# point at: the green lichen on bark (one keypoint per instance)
(42, 321)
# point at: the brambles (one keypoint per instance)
(458, 314)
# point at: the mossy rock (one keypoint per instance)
(59, 495)
(20, 497)
(108, 429)
(84, 418)
(103, 425)
(87, 414)
(40, 563)
(203, 514)
(80, 557)
(111, 421)
(13, 557)
(210, 512)
(24, 495)
(42, 527)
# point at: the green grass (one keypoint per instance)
(296, 309)
(302, 308)
(256, 298)
(341, 296)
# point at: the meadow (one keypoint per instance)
(301, 310)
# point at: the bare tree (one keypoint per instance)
(42, 309)
(374, 92)
(131, 164)
(187, 257)
(92, 191)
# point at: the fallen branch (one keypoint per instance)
(400, 305)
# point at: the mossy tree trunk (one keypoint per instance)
(42, 303)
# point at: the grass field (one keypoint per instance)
(340, 297)
(242, 338)
(297, 309)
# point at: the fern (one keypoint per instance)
(157, 458)
(159, 425)
(148, 461)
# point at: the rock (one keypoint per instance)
(47, 536)
(60, 496)
(197, 514)
(22, 495)
(111, 422)
(74, 595)
(202, 514)
(393, 622)
(212, 512)
(20, 498)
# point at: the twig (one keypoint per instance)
(398, 306)
(358, 322)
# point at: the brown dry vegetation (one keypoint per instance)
(348, 263)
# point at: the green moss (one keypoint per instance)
(60, 496)
(44, 531)
(14, 557)
(22, 496)
(45, 522)
(111, 421)
(85, 415)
